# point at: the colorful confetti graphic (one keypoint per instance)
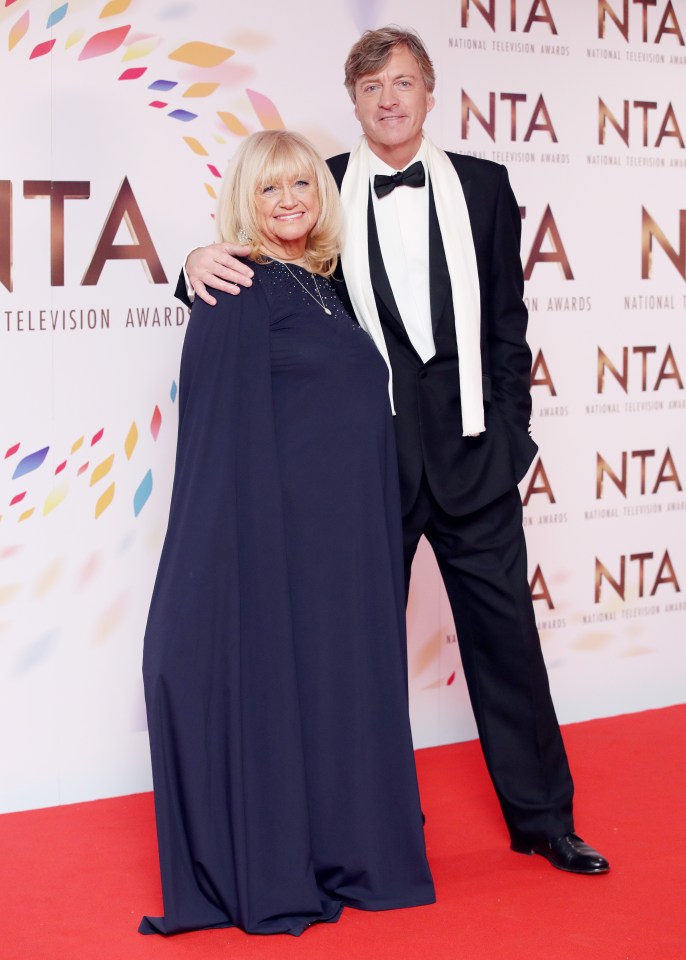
(99, 470)
(126, 43)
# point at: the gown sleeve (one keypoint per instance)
(225, 518)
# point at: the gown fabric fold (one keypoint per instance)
(274, 659)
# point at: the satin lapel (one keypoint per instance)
(439, 278)
(377, 270)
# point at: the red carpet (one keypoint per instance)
(75, 880)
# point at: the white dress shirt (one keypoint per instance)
(402, 223)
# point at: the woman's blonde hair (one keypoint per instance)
(273, 156)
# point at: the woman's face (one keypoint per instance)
(287, 211)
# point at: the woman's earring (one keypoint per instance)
(243, 236)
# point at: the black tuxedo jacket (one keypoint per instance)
(464, 473)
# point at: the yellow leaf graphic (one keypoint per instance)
(201, 89)
(55, 498)
(114, 7)
(104, 501)
(232, 123)
(131, 441)
(102, 470)
(200, 54)
(196, 146)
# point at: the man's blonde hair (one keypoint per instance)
(373, 50)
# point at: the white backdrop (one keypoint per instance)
(117, 121)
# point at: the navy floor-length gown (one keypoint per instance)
(274, 658)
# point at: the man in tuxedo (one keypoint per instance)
(431, 268)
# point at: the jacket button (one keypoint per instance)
(423, 375)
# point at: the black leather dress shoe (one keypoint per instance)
(568, 852)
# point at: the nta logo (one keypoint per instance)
(537, 11)
(625, 22)
(539, 119)
(124, 209)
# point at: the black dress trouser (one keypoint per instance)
(482, 560)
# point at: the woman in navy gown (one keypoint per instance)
(274, 659)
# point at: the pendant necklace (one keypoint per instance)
(318, 299)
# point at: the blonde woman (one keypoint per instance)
(274, 659)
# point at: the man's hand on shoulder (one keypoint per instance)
(216, 266)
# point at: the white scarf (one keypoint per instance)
(456, 232)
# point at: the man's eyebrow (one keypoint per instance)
(371, 77)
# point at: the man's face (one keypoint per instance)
(391, 105)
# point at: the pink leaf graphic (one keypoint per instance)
(156, 423)
(267, 114)
(133, 73)
(42, 49)
(104, 43)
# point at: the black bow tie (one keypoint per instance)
(412, 177)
